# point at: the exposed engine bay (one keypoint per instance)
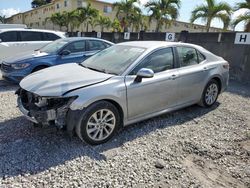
(44, 110)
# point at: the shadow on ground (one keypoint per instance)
(26, 149)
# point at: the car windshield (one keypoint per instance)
(114, 60)
(53, 47)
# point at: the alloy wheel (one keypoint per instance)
(101, 124)
(211, 94)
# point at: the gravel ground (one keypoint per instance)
(193, 147)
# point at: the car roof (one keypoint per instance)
(28, 29)
(156, 44)
(71, 39)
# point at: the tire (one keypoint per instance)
(210, 94)
(39, 68)
(92, 129)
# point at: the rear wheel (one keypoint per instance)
(210, 94)
(99, 122)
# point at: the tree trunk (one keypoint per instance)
(208, 24)
(247, 28)
(157, 26)
(102, 28)
(87, 27)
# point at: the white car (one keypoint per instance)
(18, 40)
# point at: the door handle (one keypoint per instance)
(205, 68)
(174, 76)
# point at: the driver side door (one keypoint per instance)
(153, 94)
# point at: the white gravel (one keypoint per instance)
(193, 147)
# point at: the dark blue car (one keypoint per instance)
(68, 50)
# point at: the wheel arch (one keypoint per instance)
(73, 116)
(218, 79)
(41, 65)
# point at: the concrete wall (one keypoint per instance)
(221, 44)
(237, 55)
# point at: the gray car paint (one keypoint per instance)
(138, 101)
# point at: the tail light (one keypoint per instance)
(226, 66)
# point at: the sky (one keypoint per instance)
(10, 7)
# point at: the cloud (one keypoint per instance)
(9, 12)
(239, 13)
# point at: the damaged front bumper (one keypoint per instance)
(44, 110)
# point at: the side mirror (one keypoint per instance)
(144, 73)
(65, 53)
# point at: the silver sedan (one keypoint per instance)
(121, 85)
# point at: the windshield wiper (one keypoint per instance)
(98, 70)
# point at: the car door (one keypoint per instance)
(192, 74)
(77, 53)
(153, 94)
(9, 44)
(94, 46)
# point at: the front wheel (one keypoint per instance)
(210, 94)
(99, 122)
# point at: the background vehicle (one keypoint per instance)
(8, 26)
(68, 50)
(15, 41)
(121, 85)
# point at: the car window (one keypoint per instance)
(10, 36)
(96, 45)
(158, 61)
(75, 47)
(50, 36)
(187, 56)
(200, 56)
(31, 36)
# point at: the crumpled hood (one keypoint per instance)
(26, 56)
(57, 80)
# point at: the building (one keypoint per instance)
(36, 18)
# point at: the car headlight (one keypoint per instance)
(20, 65)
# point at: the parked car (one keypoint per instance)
(124, 84)
(68, 50)
(18, 40)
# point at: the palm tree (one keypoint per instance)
(163, 11)
(211, 10)
(57, 19)
(245, 17)
(103, 22)
(87, 14)
(136, 19)
(2, 19)
(116, 25)
(124, 9)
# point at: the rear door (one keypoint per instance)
(9, 44)
(77, 54)
(31, 40)
(192, 74)
(94, 46)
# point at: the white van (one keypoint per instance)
(8, 26)
(15, 41)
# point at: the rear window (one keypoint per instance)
(10, 36)
(31, 36)
(50, 36)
